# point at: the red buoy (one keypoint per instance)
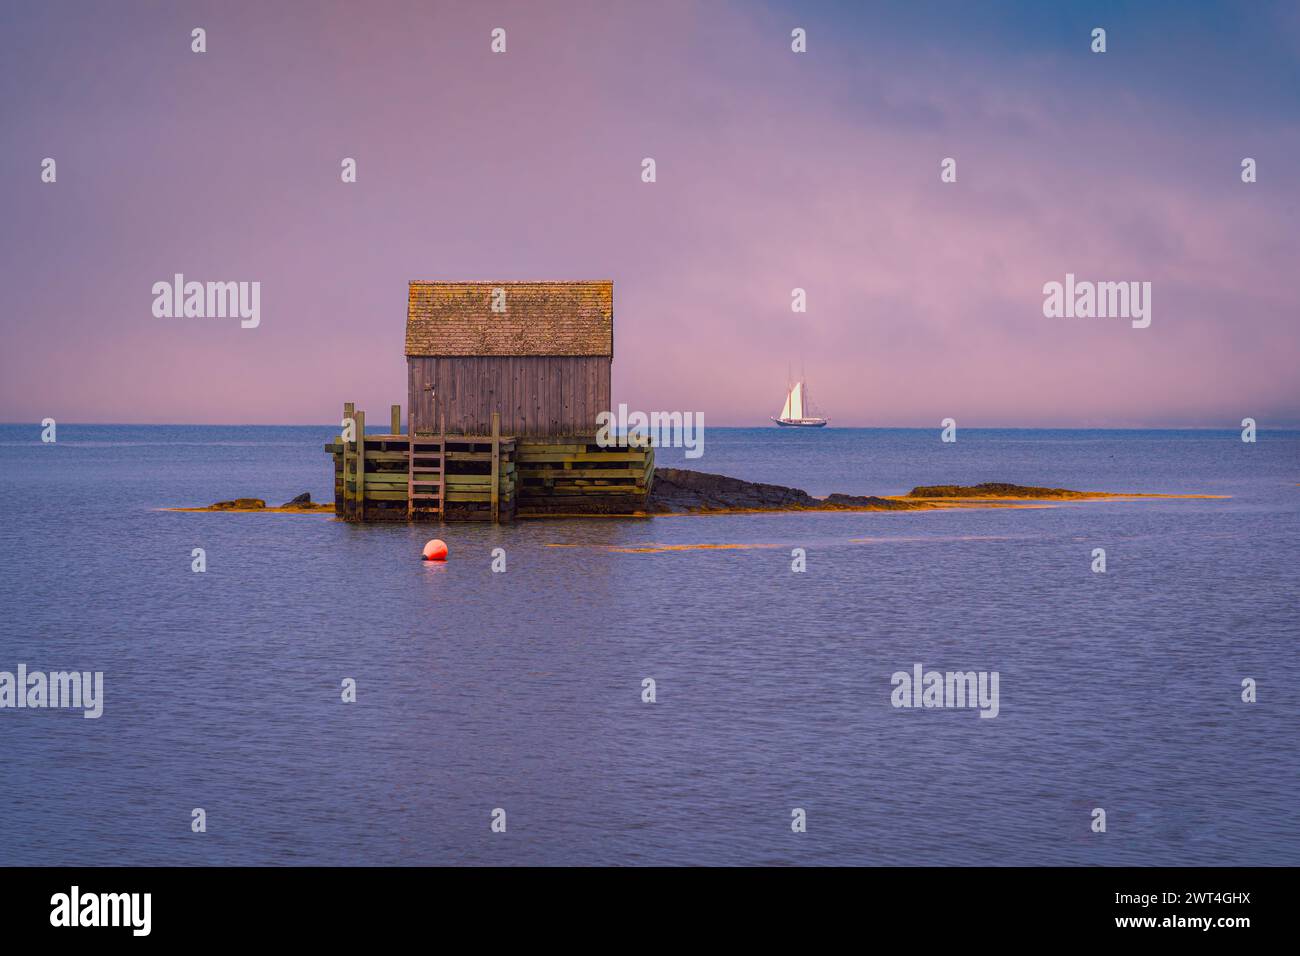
(435, 550)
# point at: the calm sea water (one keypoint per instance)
(522, 690)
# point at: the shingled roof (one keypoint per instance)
(541, 318)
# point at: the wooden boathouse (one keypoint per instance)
(504, 383)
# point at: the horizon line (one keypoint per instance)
(1117, 428)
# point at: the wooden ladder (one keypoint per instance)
(426, 479)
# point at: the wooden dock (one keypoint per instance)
(575, 475)
(436, 476)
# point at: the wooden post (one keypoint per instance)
(496, 464)
(349, 415)
(410, 463)
(397, 420)
(361, 466)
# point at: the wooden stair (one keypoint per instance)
(426, 474)
(430, 475)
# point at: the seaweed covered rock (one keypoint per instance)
(679, 490)
(992, 489)
(838, 500)
(240, 504)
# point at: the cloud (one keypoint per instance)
(776, 170)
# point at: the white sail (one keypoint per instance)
(795, 402)
(798, 409)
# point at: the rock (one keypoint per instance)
(676, 490)
(302, 503)
(865, 501)
(239, 504)
(992, 489)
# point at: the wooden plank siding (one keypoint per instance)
(536, 395)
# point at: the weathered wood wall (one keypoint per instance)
(535, 476)
(472, 471)
(537, 395)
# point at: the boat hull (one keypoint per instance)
(807, 423)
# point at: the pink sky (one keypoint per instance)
(775, 170)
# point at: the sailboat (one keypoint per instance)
(793, 412)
